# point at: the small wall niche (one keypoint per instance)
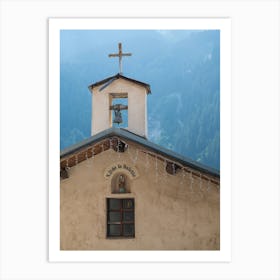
(171, 167)
(120, 184)
(119, 145)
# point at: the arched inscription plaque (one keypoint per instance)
(129, 170)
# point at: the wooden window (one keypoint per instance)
(120, 217)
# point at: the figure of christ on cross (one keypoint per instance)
(120, 55)
(117, 110)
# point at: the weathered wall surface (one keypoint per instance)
(171, 213)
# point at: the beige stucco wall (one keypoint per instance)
(169, 213)
(137, 107)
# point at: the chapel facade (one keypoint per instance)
(119, 191)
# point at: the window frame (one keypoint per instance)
(122, 221)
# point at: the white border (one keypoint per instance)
(224, 25)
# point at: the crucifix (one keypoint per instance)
(120, 55)
(117, 110)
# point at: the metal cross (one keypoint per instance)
(120, 55)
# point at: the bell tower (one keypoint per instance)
(119, 101)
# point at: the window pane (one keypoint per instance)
(114, 230)
(114, 217)
(128, 203)
(114, 204)
(128, 229)
(128, 216)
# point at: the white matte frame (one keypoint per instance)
(255, 124)
(222, 24)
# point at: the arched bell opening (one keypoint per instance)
(120, 183)
(118, 109)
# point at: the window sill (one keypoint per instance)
(119, 237)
